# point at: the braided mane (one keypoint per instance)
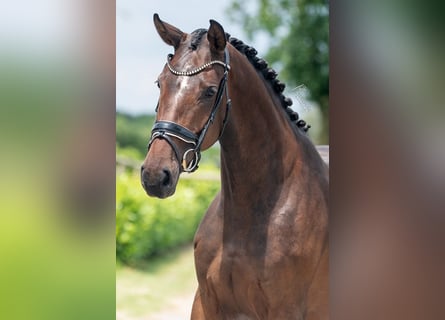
(271, 76)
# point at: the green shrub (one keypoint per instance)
(130, 153)
(133, 131)
(148, 226)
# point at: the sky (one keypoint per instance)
(140, 52)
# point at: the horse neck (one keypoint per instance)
(259, 148)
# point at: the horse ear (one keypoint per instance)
(170, 34)
(216, 37)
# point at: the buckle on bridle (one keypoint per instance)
(193, 164)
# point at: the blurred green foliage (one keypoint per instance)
(53, 265)
(133, 133)
(298, 31)
(146, 226)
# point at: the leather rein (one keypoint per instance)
(167, 130)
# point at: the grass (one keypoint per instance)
(162, 286)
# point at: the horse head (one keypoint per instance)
(189, 118)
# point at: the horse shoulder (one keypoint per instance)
(208, 248)
(208, 237)
(209, 230)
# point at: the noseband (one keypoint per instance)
(167, 130)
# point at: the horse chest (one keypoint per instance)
(250, 272)
(239, 277)
(234, 281)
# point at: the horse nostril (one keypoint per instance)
(166, 179)
(142, 168)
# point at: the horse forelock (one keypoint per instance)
(196, 38)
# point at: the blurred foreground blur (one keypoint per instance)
(387, 160)
(57, 102)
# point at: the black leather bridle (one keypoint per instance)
(167, 130)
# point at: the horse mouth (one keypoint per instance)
(163, 186)
(157, 191)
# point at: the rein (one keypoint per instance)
(167, 130)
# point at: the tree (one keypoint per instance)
(299, 33)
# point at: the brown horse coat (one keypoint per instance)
(261, 251)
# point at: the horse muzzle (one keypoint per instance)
(159, 177)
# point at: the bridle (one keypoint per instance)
(167, 130)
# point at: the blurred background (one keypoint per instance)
(155, 274)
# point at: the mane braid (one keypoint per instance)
(270, 76)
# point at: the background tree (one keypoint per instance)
(298, 31)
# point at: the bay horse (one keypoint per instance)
(261, 250)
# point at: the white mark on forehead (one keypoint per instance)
(184, 87)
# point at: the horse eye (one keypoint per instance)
(210, 91)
